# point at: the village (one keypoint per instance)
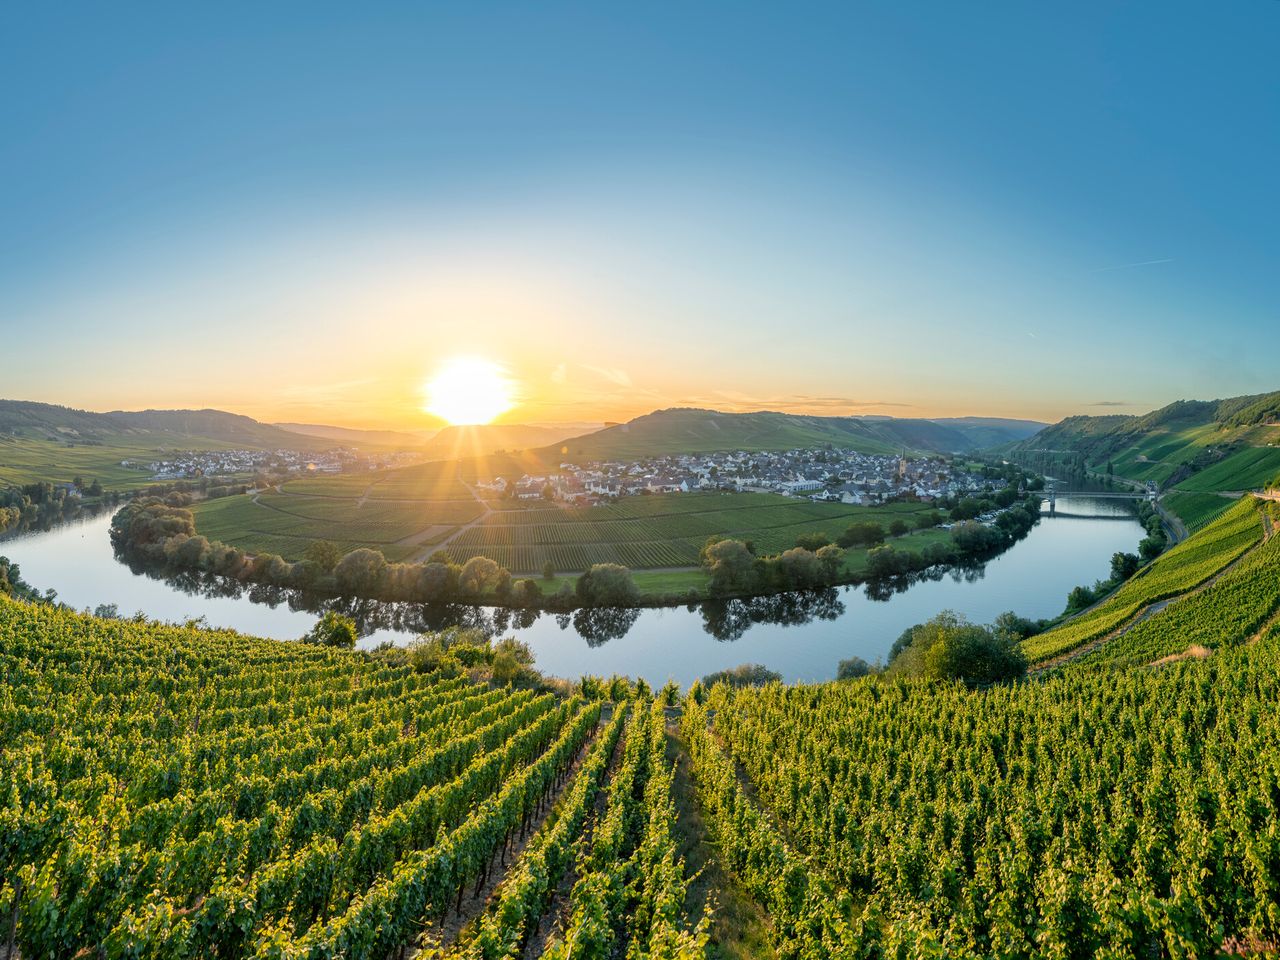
(191, 464)
(820, 474)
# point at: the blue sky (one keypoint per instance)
(297, 211)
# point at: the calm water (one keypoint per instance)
(801, 636)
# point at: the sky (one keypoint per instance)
(302, 211)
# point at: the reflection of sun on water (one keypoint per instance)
(468, 390)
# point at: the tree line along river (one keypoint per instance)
(802, 636)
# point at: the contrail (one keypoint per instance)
(1126, 266)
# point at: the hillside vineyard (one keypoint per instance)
(177, 792)
(172, 792)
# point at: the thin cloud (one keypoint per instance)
(612, 374)
(1111, 403)
(1129, 266)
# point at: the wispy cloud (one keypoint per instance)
(1111, 403)
(612, 374)
(1129, 266)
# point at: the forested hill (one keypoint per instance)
(45, 421)
(1169, 446)
(687, 430)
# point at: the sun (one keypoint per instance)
(469, 390)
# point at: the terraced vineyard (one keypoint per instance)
(172, 792)
(1183, 568)
(1196, 510)
(1103, 812)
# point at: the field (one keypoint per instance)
(1183, 568)
(1248, 469)
(1102, 812)
(409, 514)
(178, 792)
(274, 799)
(1196, 509)
(30, 460)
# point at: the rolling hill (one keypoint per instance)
(1194, 445)
(688, 430)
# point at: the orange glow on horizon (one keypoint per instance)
(469, 391)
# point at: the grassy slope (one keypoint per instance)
(29, 460)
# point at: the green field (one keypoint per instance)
(1248, 469)
(410, 513)
(28, 460)
(1196, 509)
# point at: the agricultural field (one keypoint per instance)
(1196, 510)
(408, 514)
(1239, 604)
(1183, 568)
(1248, 469)
(177, 792)
(1100, 812)
(32, 460)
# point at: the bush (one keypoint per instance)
(853, 668)
(607, 584)
(333, 630)
(813, 542)
(949, 647)
(744, 675)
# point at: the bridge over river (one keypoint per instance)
(1051, 496)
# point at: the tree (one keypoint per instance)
(333, 630)
(853, 668)
(548, 571)
(607, 584)
(1151, 547)
(730, 564)
(898, 527)
(477, 574)
(861, 535)
(831, 558)
(323, 554)
(360, 571)
(812, 541)
(1124, 566)
(949, 647)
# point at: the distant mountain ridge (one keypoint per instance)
(692, 430)
(30, 419)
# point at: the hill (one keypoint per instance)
(27, 419)
(1124, 804)
(691, 430)
(355, 437)
(42, 441)
(1168, 446)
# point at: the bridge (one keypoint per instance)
(1052, 494)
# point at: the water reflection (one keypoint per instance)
(726, 620)
(801, 635)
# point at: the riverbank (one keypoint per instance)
(161, 535)
(802, 635)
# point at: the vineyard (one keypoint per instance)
(1181, 569)
(1196, 510)
(407, 517)
(173, 792)
(1098, 813)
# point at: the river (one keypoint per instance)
(802, 636)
